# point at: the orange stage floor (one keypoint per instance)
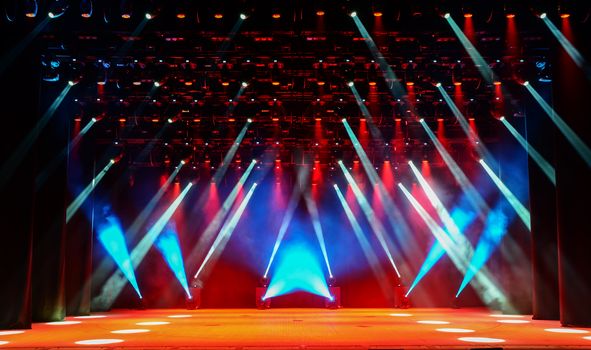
(300, 329)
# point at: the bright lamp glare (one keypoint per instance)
(353, 14)
(447, 15)
(242, 16)
(543, 15)
(350, 84)
(149, 15)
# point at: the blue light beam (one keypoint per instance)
(111, 237)
(168, 244)
(297, 270)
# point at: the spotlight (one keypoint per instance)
(350, 84)
(502, 118)
(243, 16)
(353, 14)
(438, 84)
(377, 14)
(421, 120)
(244, 84)
(340, 162)
(112, 161)
(170, 120)
(276, 15)
(320, 13)
(183, 162)
(149, 16)
(564, 15)
(510, 15)
(526, 83)
(218, 15)
(447, 15)
(71, 83)
(157, 84)
(250, 121)
(543, 15)
(93, 119)
(181, 15)
(343, 120)
(467, 15)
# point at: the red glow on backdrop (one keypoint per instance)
(472, 123)
(469, 28)
(459, 97)
(363, 135)
(412, 97)
(376, 202)
(499, 101)
(213, 202)
(318, 131)
(426, 169)
(512, 37)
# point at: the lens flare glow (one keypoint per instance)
(11, 332)
(153, 323)
(63, 323)
(297, 270)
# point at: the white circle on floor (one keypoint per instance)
(11, 332)
(98, 341)
(152, 323)
(482, 340)
(513, 321)
(566, 330)
(506, 316)
(432, 322)
(63, 323)
(130, 331)
(455, 330)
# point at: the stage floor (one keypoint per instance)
(300, 329)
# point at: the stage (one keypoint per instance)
(300, 329)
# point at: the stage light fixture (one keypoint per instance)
(353, 14)
(71, 83)
(447, 15)
(377, 13)
(157, 84)
(218, 15)
(244, 84)
(276, 15)
(243, 16)
(526, 83)
(319, 13)
(350, 84)
(438, 84)
(86, 8)
(543, 15)
(31, 8)
(149, 16)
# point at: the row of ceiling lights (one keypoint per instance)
(58, 8)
